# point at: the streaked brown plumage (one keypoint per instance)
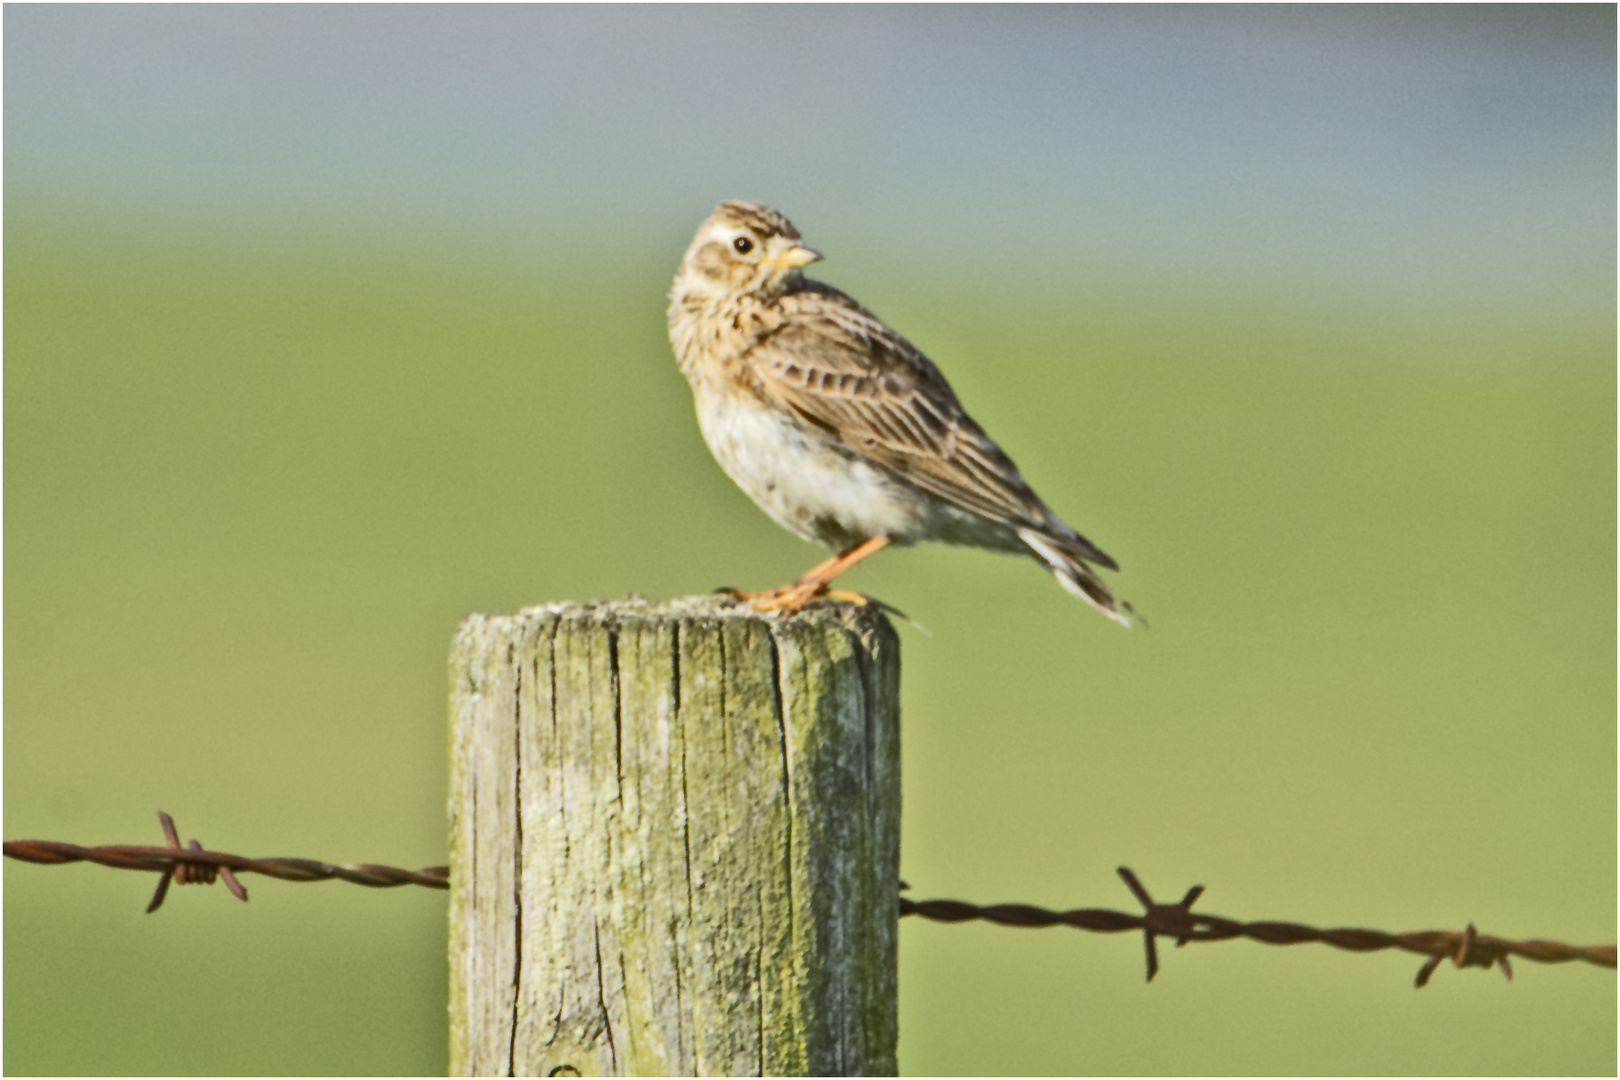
(839, 428)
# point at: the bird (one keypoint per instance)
(840, 429)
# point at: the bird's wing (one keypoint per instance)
(833, 364)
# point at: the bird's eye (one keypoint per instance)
(743, 245)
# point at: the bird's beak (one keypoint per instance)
(793, 258)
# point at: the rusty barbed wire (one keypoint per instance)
(1466, 948)
(192, 864)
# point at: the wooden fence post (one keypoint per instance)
(674, 841)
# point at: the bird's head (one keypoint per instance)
(743, 249)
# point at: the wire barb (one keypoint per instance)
(190, 873)
(1467, 948)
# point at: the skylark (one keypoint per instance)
(839, 428)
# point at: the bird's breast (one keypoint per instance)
(804, 478)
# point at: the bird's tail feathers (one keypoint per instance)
(1078, 578)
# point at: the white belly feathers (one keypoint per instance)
(799, 477)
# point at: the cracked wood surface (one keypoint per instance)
(674, 841)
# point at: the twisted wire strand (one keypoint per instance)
(163, 859)
(1464, 948)
(193, 865)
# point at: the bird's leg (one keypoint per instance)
(816, 571)
(813, 582)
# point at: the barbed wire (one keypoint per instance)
(1466, 948)
(192, 864)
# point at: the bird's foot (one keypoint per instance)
(791, 599)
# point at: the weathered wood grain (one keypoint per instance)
(674, 841)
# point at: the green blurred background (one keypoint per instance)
(328, 326)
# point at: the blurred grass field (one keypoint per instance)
(255, 476)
